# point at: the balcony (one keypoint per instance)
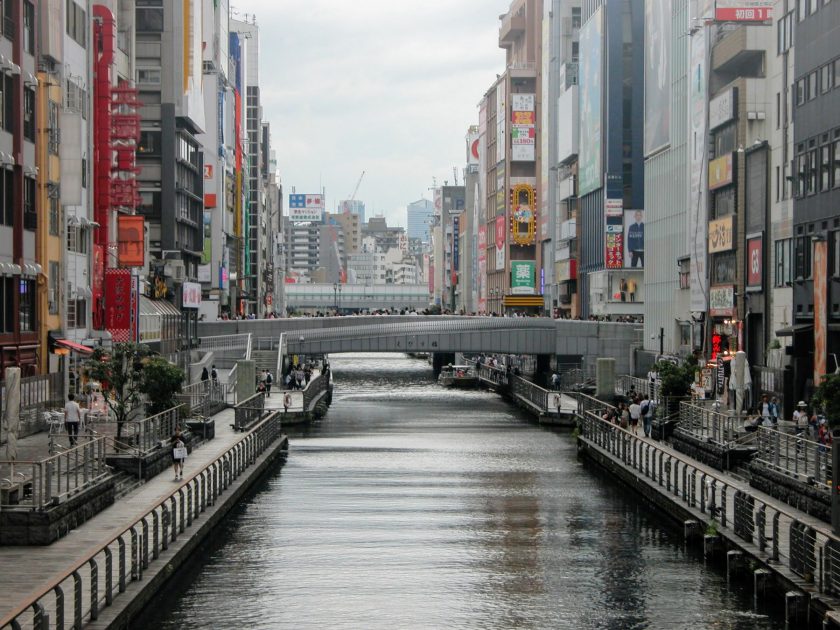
(512, 28)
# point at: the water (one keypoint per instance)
(410, 506)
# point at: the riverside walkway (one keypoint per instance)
(80, 579)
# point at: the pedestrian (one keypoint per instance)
(646, 411)
(205, 377)
(179, 453)
(800, 417)
(623, 416)
(635, 411)
(765, 409)
(555, 381)
(72, 418)
(268, 381)
(774, 409)
(261, 384)
(215, 376)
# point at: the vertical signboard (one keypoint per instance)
(130, 241)
(500, 243)
(820, 272)
(755, 262)
(120, 305)
(522, 277)
(614, 243)
(437, 196)
(591, 76)
(501, 121)
(523, 135)
(482, 268)
(657, 74)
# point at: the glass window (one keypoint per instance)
(9, 20)
(149, 143)
(812, 172)
(825, 167)
(30, 217)
(26, 305)
(53, 296)
(835, 243)
(836, 181)
(8, 103)
(723, 268)
(55, 213)
(148, 76)
(149, 19)
(803, 257)
(812, 6)
(783, 250)
(29, 114)
(813, 82)
(827, 77)
(29, 27)
(8, 197)
(837, 73)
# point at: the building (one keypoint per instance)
(610, 164)
(418, 218)
(353, 206)
(815, 246)
(384, 236)
(303, 249)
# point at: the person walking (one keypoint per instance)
(179, 453)
(646, 410)
(72, 418)
(205, 377)
(268, 381)
(635, 411)
(214, 375)
(555, 381)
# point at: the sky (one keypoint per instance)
(381, 86)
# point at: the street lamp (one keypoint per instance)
(335, 296)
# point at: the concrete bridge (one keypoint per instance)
(572, 341)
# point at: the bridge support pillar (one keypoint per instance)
(761, 580)
(439, 359)
(605, 379)
(796, 608)
(246, 379)
(543, 375)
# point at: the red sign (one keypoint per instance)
(130, 240)
(500, 232)
(614, 255)
(743, 12)
(754, 262)
(120, 305)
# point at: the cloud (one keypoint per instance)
(381, 86)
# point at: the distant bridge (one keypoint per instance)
(355, 297)
(581, 340)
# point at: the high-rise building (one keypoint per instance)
(418, 216)
(353, 206)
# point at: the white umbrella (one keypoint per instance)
(12, 413)
(740, 380)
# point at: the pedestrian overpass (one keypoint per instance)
(581, 340)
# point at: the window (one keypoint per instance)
(8, 102)
(84, 172)
(29, 27)
(723, 202)
(725, 139)
(836, 181)
(778, 184)
(778, 110)
(9, 20)
(723, 268)
(75, 22)
(148, 76)
(837, 73)
(575, 17)
(7, 304)
(813, 82)
(812, 172)
(30, 217)
(53, 130)
(825, 167)
(812, 6)
(55, 209)
(835, 244)
(149, 19)
(827, 77)
(52, 291)
(783, 275)
(802, 269)
(149, 143)
(76, 240)
(684, 270)
(800, 92)
(803, 7)
(29, 114)
(26, 305)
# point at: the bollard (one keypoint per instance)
(734, 562)
(795, 606)
(691, 530)
(761, 578)
(711, 542)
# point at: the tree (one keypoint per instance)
(827, 397)
(120, 372)
(675, 383)
(161, 381)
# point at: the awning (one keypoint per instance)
(790, 331)
(72, 345)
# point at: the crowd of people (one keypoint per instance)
(558, 314)
(629, 414)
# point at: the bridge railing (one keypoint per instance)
(533, 393)
(707, 422)
(626, 384)
(203, 398)
(76, 596)
(813, 554)
(497, 376)
(224, 343)
(794, 456)
(249, 412)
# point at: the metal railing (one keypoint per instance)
(143, 435)
(794, 456)
(249, 412)
(36, 485)
(77, 595)
(811, 553)
(706, 421)
(37, 395)
(576, 377)
(530, 392)
(203, 398)
(317, 384)
(626, 384)
(230, 386)
(493, 375)
(249, 346)
(225, 343)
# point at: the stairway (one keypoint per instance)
(125, 483)
(265, 360)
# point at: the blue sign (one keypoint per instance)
(297, 201)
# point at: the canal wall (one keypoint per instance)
(797, 557)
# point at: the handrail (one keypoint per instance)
(625, 383)
(278, 370)
(248, 347)
(249, 411)
(126, 555)
(233, 375)
(707, 422)
(794, 455)
(795, 540)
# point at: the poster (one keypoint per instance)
(634, 239)
(657, 74)
(500, 243)
(589, 165)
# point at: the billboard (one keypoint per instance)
(634, 239)
(472, 146)
(591, 42)
(722, 301)
(755, 262)
(305, 208)
(723, 108)
(523, 134)
(744, 10)
(522, 277)
(501, 120)
(657, 74)
(500, 243)
(721, 234)
(191, 295)
(121, 305)
(721, 172)
(614, 243)
(130, 241)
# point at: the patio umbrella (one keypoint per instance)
(12, 413)
(740, 380)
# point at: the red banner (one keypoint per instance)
(755, 262)
(120, 305)
(130, 239)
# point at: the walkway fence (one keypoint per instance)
(203, 398)
(812, 554)
(794, 456)
(37, 395)
(707, 421)
(625, 384)
(530, 392)
(249, 412)
(317, 384)
(497, 376)
(575, 377)
(76, 597)
(36, 485)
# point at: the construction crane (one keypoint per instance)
(356, 189)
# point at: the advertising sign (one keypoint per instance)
(482, 268)
(500, 243)
(522, 277)
(207, 251)
(472, 146)
(721, 234)
(614, 207)
(658, 18)
(522, 102)
(437, 195)
(456, 247)
(523, 135)
(501, 121)
(722, 301)
(130, 239)
(305, 208)
(820, 272)
(204, 273)
(120, 305)
(191, 295)
(634, 239)
(614, 239)
(743, 10)
(720, 172)
(590, 103)
(722, 108)
(755, 262)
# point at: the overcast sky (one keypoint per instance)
(384, 86)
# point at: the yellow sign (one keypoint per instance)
(720, 172)
(722, 234)
(523, 218)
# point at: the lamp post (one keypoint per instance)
(335, 296)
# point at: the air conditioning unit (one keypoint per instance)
(175, 269)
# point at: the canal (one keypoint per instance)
(410, 506)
